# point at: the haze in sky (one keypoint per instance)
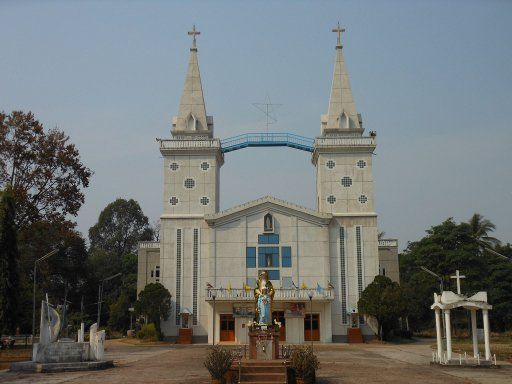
(433, 79)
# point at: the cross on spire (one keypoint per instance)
(458, 276)
(339, 30)
(193, 33)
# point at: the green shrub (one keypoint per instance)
(148, 333)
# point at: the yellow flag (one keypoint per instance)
(304, 286)
(247, 288)
(229, 287)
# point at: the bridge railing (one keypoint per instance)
(267, 139)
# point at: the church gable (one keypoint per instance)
(265, 211)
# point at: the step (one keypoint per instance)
(263, 377)
(260, 369)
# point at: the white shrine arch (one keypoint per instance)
(448, 301)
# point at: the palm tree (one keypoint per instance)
(480, 229)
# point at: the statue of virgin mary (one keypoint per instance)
(264, 295)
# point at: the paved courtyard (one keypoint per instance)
(340, 363)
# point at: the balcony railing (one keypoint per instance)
(281, 294)
(149, 244)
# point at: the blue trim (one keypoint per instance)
(286, 254)
(250, 257)
(267, 140)
(268, 239)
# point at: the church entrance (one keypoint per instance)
(227, 327)
(314, 333)
(279, 316)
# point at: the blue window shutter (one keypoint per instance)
(251, 257)
(275, 260)
(274, 275)
(261, 260)
(287, 256)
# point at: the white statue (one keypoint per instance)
(50, 324)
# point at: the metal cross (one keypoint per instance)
(458, 276)
(339, 30)
(193, 33)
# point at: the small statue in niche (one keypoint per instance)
(264, 296)
(268, 223)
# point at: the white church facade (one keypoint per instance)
(318, 260)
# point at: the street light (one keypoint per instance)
(214, 296)
(310, 295)
(100, 295)
(34, 293)
(435, 275)
(441, 288)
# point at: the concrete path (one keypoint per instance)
(340, 363)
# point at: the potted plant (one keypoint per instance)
(218, 361)
(304, 362)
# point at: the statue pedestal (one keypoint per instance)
(263, 345)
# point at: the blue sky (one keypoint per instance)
(433, 78)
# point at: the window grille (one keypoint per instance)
(361, 164)
(330, 164)
(346, 181)
(174, 166)
(195, 277)
(204, 200)
(189, 183)
(178, 275)
(174, 200)
(359, 254)
(362, 199)
(205, 166)
(331, 199)
(343, 277)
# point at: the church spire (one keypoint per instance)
(192, 118)
(342, 115)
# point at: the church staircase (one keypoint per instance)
(263, 372)
(355, 335)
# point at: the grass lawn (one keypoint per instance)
(501, 345)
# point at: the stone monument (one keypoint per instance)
(263, 331)
(54, 355)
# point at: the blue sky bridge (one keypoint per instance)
(267, 140)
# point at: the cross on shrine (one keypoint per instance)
(193, 33)
(458, 276)
(339, 30)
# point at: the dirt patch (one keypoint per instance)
(8, 356)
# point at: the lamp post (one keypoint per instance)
(100, 295)
(214, 296)
(435, 275)
(310, 295)
(34, 293)
(131, 310)
(441, 287)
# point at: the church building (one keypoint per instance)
(318, 260)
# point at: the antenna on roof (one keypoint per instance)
(269, 110)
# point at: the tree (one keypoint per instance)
(480, 229)
(9, 274)
(447, 247)
(154, 303)
(43, 168)
(383, 299)
(121, 225)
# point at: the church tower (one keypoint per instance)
(193, 157)
(344, 184)
(192, 161)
